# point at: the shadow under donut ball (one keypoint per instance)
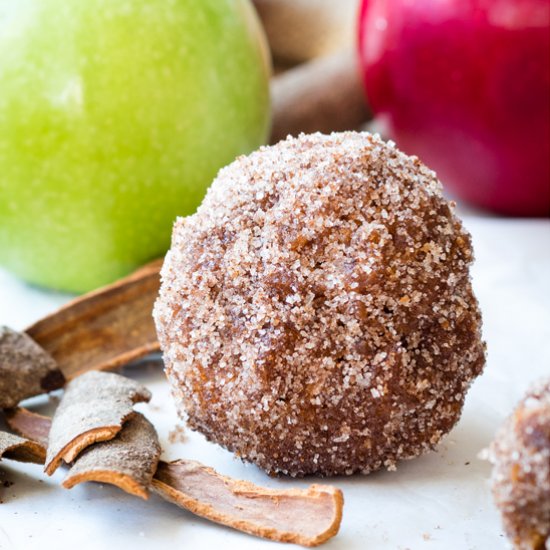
(316, 313)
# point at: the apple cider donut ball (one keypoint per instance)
(521, 473)
(316, 313)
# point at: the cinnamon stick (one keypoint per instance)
(324, 95)
(26, 369)
(307, 517)
(303, 516)
(128, 461)
(103, 329)
(300, 30)
(20, 449)
(29, 424)
(93, 408)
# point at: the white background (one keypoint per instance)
(439, 501)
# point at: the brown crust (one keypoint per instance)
(103, 329)
(93, 408)
(129, 461)
(26, 369)
(307, 517)
(29, 424)
(23, 450)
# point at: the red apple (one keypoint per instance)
(465, 85)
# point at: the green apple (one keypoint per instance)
(115, 115)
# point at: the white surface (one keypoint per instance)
(439, 501)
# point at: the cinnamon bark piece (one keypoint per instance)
(324, 95)
(20, 449)
(128, 461)
(29, 424)
(307, 517)
(93, 408)
(300, 30)
(105, 328)
(26, 369)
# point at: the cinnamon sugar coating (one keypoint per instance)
(521, 473)
(316, 313)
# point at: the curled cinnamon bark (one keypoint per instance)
(20, 449)
(103, 329)
(324, 95)
(93, 408)
(299, 30)
(26, 369)
(128, 461)
(303, 516)
(307, 517)
(29, 424)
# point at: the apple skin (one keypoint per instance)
(115, 117)
(465, 85)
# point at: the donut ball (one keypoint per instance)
(521, 473)
(316, 313)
